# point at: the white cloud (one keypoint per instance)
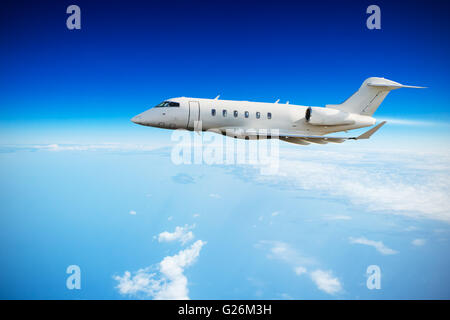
(381, 248)
(300, 270)
(142, 282)
(282, 251)
(169, 284)
(132, 212)
(182, 234)
(196, 215)
(275, 213)
(337, 217)
(286, 296)
(172, 268)
(419, 242)
(214, 195)
(325, 281)
(170, 218)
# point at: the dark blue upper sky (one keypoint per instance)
(131, 54)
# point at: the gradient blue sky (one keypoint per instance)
(131, 55)
(73, 166)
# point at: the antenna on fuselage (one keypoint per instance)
(287, 102)
(277, 101)
(217, 98)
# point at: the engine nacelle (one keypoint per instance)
(331, 117)
(327, 117)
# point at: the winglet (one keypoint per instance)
(369, 133)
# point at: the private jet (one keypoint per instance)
(260, 120)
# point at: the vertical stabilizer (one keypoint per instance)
(368, 98)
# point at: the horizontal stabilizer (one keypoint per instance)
(393, 86)
(368, 134)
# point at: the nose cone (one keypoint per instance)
(146, 118)
(137, 119)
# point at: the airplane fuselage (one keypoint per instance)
(187, 113)
(291, 123)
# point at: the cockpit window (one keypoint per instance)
(168, 104)
(162, 104)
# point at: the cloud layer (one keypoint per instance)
(404, 183)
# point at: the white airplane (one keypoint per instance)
(258, 120)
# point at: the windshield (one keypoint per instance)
(167, 104)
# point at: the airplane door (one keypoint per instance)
(194, 114)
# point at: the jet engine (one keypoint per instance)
(331, 117)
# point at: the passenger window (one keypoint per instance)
(235, 113)
(213, 112)
(224, 112)
(269, 115)
(258, 115)
(246, 114)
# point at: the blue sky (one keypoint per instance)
(57, 83)
(73, 166)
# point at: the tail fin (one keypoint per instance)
(368, 98)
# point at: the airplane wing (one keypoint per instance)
(297, 138)
(305, 139)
